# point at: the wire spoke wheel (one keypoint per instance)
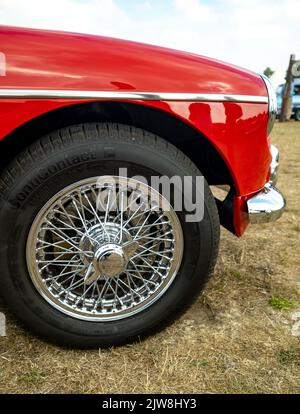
(98, 260)
(104, 248)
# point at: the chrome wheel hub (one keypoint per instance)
(99, 236)
(110, 260)
(93, 257)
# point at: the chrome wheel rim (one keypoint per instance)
(104, 248)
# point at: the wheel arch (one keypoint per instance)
(194, 145)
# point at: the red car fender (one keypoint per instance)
(43, 60)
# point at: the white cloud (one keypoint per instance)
(145, 6)
(250, 33)
(195, 11)
(91, 16)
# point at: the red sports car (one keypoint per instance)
(109, 228)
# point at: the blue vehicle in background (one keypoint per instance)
(295, 93)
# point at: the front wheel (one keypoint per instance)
(93, 254)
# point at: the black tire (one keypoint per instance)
(60, 159)
(297, 115)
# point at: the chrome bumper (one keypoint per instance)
(269, 204)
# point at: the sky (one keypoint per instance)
(253, 34)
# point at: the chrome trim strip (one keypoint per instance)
(272, 99)
(131, 96)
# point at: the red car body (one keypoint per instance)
(42, 60)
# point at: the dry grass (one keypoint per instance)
(237, 338)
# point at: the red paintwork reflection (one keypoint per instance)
(54, 60)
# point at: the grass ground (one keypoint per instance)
(239, 337)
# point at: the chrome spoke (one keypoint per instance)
(54, 230)
(145, 250)
(153, 268)
(150, 225)
(96, 215)
(146, 281)
(129, 205)
(121, 218)
(107, 206)
(82, 219)
(63, 274)
(71, 228)
(158, 254)
(133, 215)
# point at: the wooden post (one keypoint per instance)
(287, 91)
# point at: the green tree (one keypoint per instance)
(269, 72)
